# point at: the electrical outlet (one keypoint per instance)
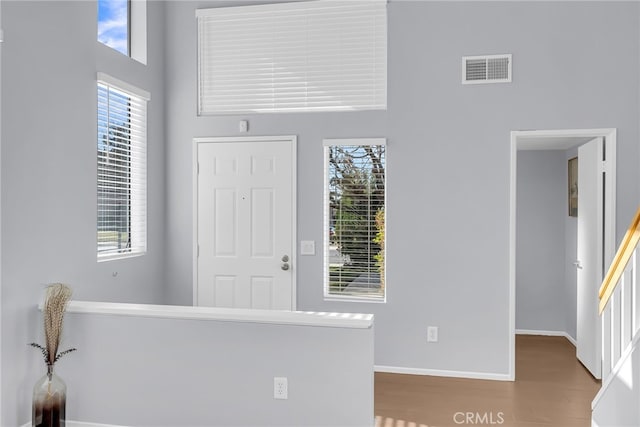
(432, 334)
(280, 388)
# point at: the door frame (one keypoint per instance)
(292, 139)
(609, 135)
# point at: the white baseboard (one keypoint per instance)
(82, 424)
(547, 334)
(443, 373)
(70, 423)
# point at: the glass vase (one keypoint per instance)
(49, 401)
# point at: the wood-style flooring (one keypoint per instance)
(551, 389)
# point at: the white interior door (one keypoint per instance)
(590, 253)
(245, 226)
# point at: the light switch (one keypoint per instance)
(307, 247)
(243, 126)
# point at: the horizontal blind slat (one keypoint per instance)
(325, 55)
(121, 164)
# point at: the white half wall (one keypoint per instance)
(140, 369)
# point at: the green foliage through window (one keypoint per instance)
(355, 217)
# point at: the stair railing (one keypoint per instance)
(620, 301)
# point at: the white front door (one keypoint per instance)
(245, 223)
(590, 253)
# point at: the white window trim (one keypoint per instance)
(138, 30)
(115, 257)
(325, 226)
(354, 141)
(123, 86)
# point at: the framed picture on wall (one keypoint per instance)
(573, 186)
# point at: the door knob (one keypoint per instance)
(285, 266)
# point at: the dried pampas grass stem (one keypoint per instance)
(58, 295)
(55, 304)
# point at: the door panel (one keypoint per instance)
(590, 254)
(262, 217)
(261, 292)
(245, 224)
(225, 291)
(224, 231)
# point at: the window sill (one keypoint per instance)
(105, 258)
(335, 298)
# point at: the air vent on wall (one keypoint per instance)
(486, 69)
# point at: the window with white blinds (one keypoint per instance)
(122, 169)
(305, 56)
(354, 218)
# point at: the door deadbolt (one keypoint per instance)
(285, 258)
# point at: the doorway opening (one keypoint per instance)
(603, 210)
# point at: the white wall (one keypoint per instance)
(448, 158)
(541, 300)
(50, 59)
(140, 371)
(448, 163)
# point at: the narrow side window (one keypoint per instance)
(355, 205)
(122, 170)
